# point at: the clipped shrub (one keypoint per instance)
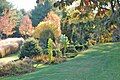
(6, 49)
(20, 41)
(10, 45)
(30, 48)
(3, 51)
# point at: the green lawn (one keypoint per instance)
(9, 58)
(100, 62)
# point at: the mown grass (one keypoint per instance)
(100, 62)
(9, 58)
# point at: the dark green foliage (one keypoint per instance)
(86, 46)
(57, 53)
(45, 51)
(30, 48)
(71, 55)
(71, 49)
(79, 47)
(40, 12)
(45, 35)
(71, 52)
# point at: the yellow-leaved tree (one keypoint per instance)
(49, 28)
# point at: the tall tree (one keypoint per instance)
(26, 27)
(17, 16)
(4, 5)
(7, 24)
(40, 11)
(94, 16)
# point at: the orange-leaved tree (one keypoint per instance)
(26, 29)
(6, 24)
(48, 28)
(53, 18)
(51, 22)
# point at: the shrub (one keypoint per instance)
(50, 49)
(106, 37)
(59, 60)
(79, 47)
(10, 45)
(30, 48)
(86, 46)
(91, 42)
(57, 53)
(64, 42)
(45, 35)
(41, 58)
(15, 68)
(71, 49)
(45, 59)
(6, 49)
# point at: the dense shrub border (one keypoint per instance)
(16, 68)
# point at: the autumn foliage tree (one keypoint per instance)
(54, 18)
(26, 27)
(4, 4)
(91, 18)
(6, 24)
(49, 28)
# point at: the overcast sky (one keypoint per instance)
(23, 4)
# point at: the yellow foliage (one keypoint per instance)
(41, 58)
(54, 18)
(91, 42)
(48, 25)
(105, 38)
